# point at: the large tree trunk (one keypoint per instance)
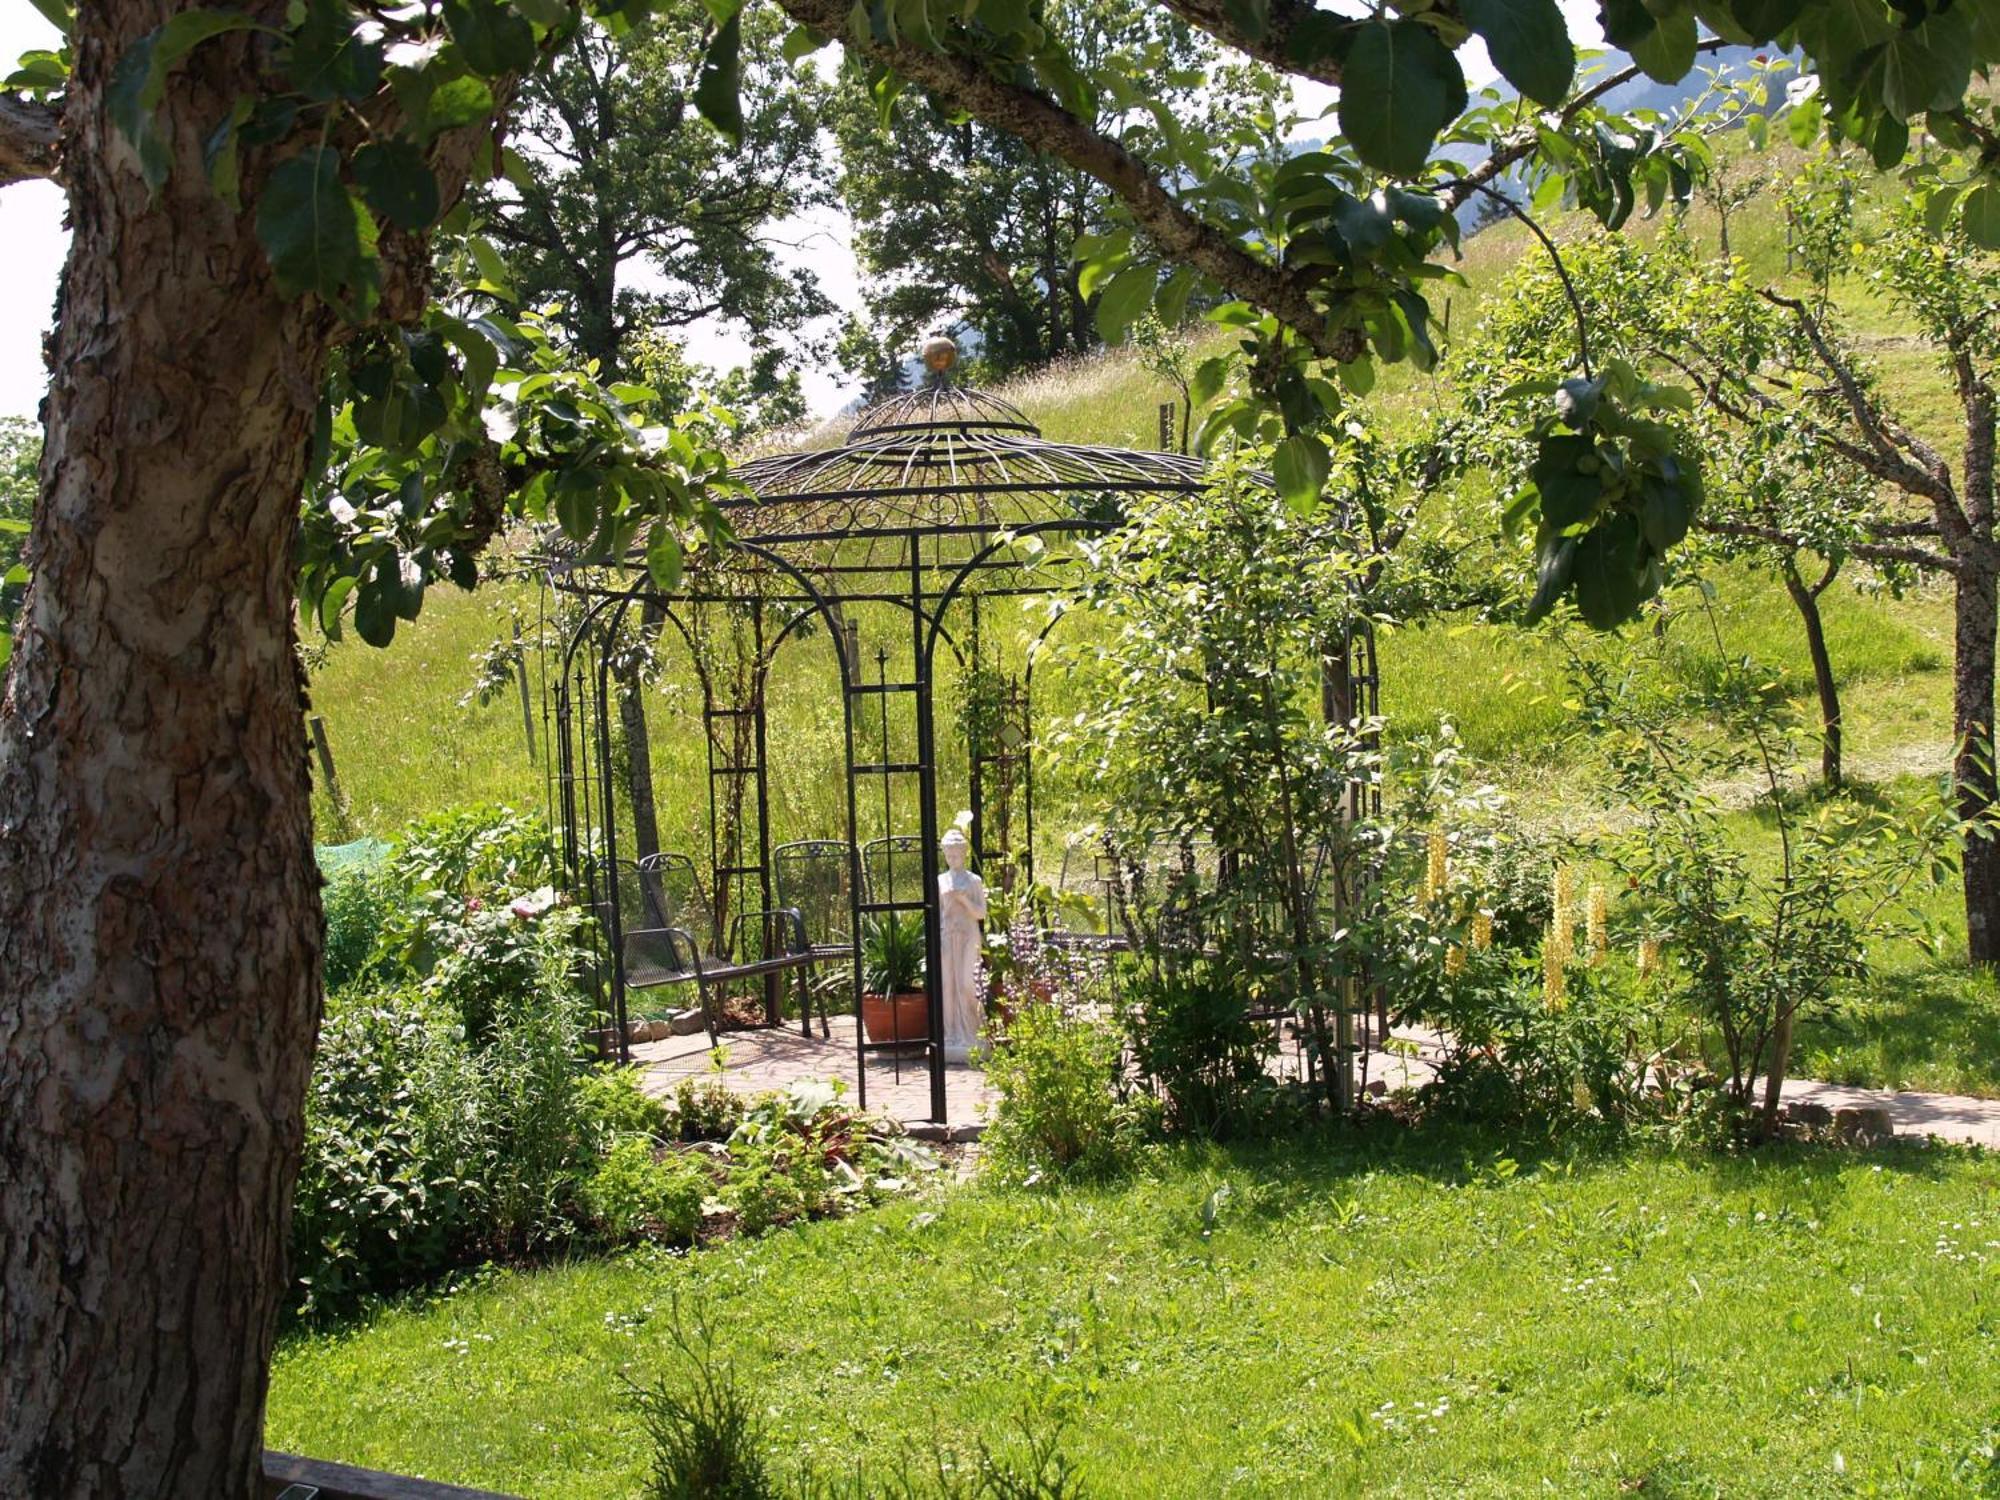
(1806, 597)
(159, 910)
(1972, 724)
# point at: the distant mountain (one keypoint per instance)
(1638, 93)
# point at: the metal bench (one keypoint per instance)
(815, 877)
(663, 950)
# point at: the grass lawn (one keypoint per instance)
(1374, 1315)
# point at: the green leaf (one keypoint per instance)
(1802, 121)
(1123, 299)
(1890, 142)
(318, 238)
(547, 14)
(1557, 556)
(329, 58)
(1569, 495)
(718, 91)
(1528, 42)
(491, 266)
(1611, 573)
(1401, 86)
(1208, 379)
(1982, 215)
(460, 101)
(1667, 51)
(331, 602)
(663, 557)
(1626, 23)
(493, 40)
(801, 41)
(56, 12)
(1300, 466)
(375, 612)
(1664, 515)
(397, 183)
(1928, 66)
(1171, 302)
(139, 81)
(219, 155)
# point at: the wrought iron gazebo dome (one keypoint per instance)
(945, 458)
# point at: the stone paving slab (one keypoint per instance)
(755, 1061)
(1949, 1117)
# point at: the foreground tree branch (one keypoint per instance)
(1038, 120)
(29, 133)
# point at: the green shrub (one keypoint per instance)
(638, 1192)
(388, 1189)
(1194, 1044)
(359, 902)
(766, 1194)
(1060, 1110)
(1513, 1058)
(706, 1109)
(707, 1441)
(616, 1100)
(542, 1141)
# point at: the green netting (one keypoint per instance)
(362, 854)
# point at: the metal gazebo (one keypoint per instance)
(937, 500)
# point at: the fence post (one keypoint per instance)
(527, 707)
(318, 727)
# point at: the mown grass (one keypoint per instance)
(1379, 1316)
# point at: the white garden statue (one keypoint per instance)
(961, 908)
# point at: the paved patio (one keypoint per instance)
(754, 1061)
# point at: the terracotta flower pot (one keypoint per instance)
(896, 1018)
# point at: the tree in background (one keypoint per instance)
(959, 222)
(626, 207)
(1775, 495)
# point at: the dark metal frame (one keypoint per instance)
(937, 496)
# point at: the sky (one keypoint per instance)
(33, 240)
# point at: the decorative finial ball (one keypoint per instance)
(939, 354)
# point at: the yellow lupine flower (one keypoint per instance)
(1482, 929)
(1435, 870)
(1555, 954)
(1562, 888)
(1454, 960)
(1597, 926)
(1649, 957)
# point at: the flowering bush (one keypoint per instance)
(1062, 1109)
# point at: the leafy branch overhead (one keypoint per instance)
(369, 125)
(1327, 255)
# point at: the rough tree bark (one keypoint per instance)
(1974, 620)
(159, 907)
(160, 928)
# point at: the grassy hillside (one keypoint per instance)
(405, 745)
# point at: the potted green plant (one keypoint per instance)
(894, 1007)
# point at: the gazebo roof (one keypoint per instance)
(945, 459)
